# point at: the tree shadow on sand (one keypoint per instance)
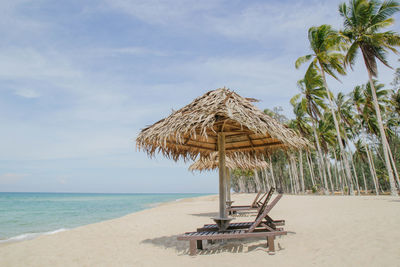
(232, 245)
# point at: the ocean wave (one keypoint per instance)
(29, 236)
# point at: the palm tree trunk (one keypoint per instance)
(272, 171)
(321, 161)
(345, 182)
(295, 173)
(291, 178)
(365, 181)
(301, 171)
(310, 167)
(352, 164)
(257, 181)
(266, 181)
(396, 174)
(328, 169)
(393, 189)
(372, 170)
(338, 174)
(342, 151)
(355, 174)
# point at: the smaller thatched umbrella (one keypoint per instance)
(234, 161)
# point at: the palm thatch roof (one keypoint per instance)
(236, 160)
(193, 129)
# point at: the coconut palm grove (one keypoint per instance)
(355, 137)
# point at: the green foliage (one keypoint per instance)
(315, 189)
(332, 51)
(363, 23)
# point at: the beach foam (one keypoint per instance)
(30, 236)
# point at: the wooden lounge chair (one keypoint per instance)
(255, 201)
(254, 206)
(257, 229)
(267, 220)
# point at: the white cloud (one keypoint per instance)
(27, 93)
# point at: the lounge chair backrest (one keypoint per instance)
(265, 202)
(264, 213)
(255, 199)
(260, 200)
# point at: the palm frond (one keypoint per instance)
(302, 60)
(351, 55)
(386, 10)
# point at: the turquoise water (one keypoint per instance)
(27, 215)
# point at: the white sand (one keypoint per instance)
(323, 231)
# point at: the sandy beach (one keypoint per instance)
(323, 231)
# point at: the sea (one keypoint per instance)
(25, 216)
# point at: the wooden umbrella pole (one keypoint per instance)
(222, 175)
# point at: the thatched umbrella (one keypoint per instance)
(234, 161)
(222, 121)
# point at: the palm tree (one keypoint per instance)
(300, 124)
(363, 20)
(327, 140)
(346, 116)
(325, 43)
(313, 92)
(365, 123)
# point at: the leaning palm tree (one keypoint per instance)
(300, 124)
(325, 43)
(346, 116)
(327, 140)
(311, 100)
(366, 122)
(363, 22)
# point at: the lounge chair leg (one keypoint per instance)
(271, 245)
(192, 247)
(199, 244)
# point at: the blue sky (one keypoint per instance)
(79, 79)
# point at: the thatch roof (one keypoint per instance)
(236, 160)
(193, 129)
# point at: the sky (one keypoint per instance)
(79, 79)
